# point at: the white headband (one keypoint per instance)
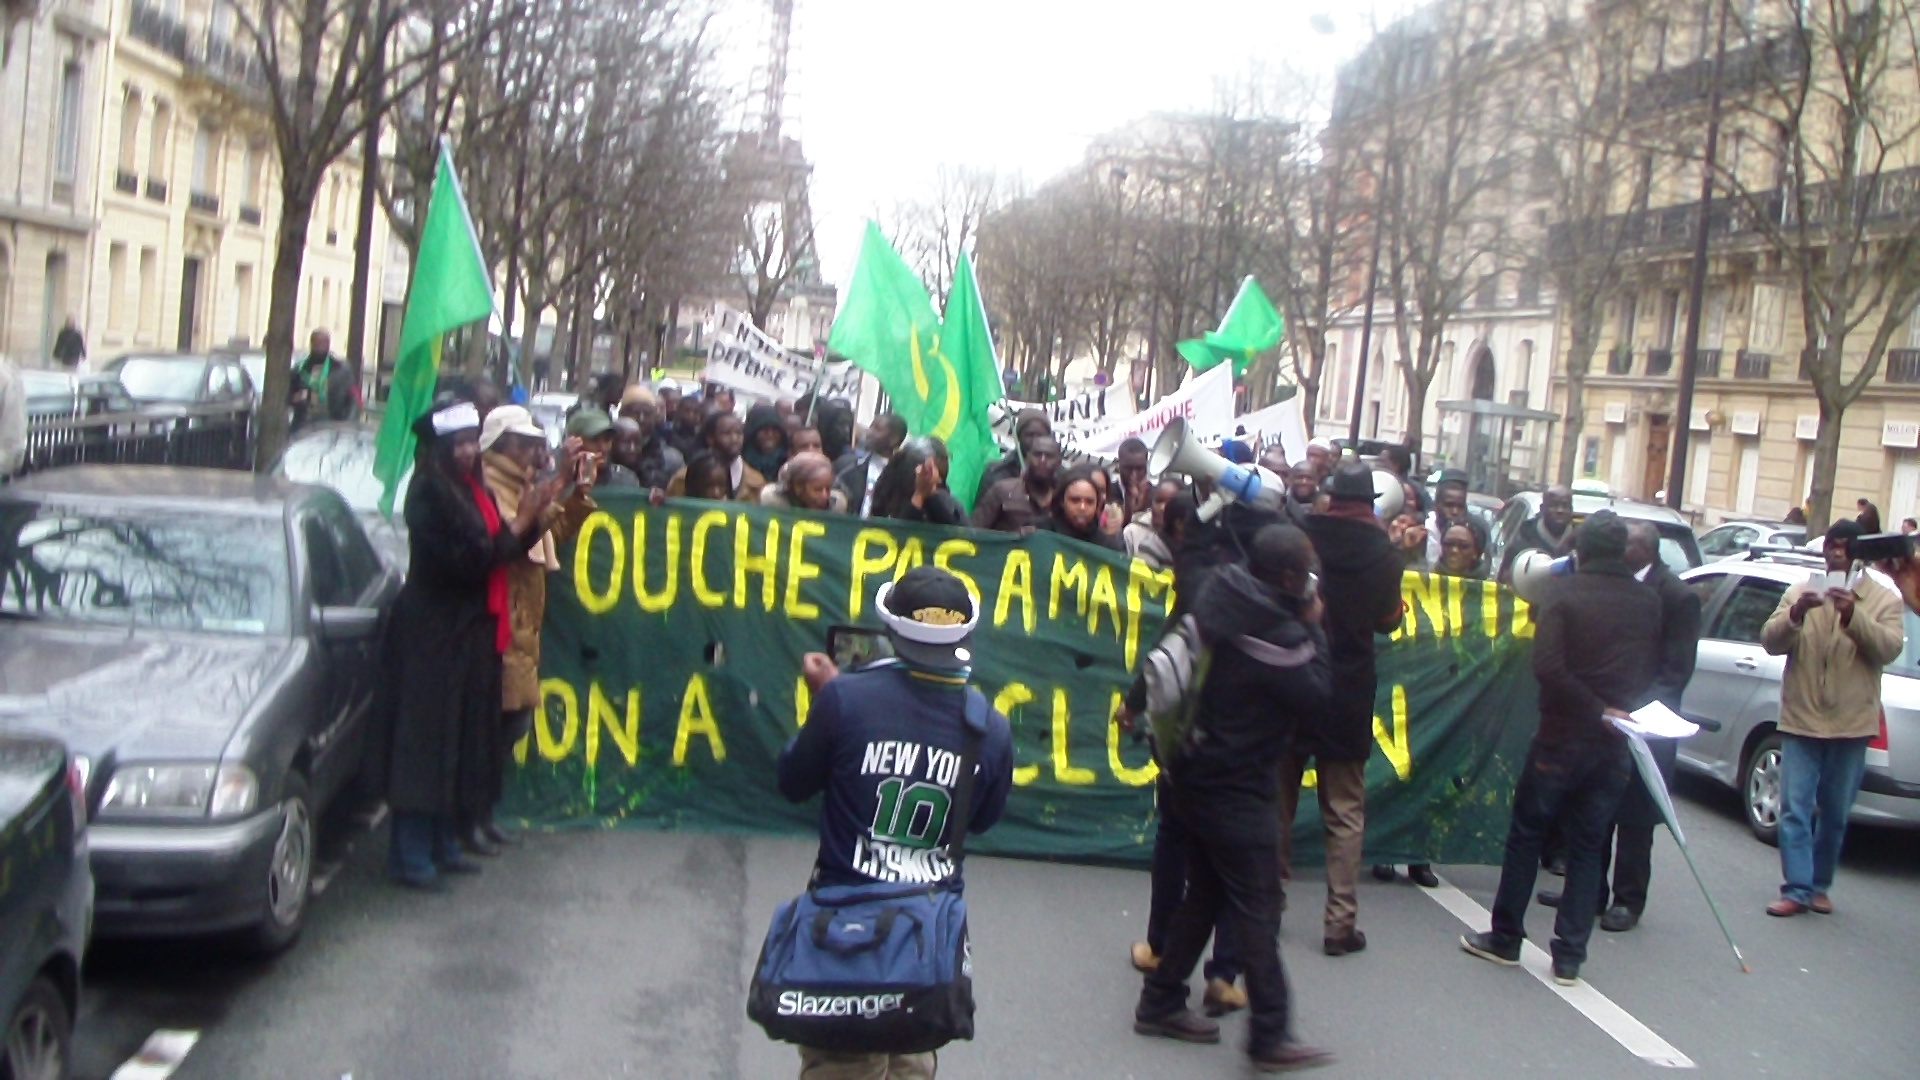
(457, 417)
(923, 633)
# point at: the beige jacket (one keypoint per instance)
(1831, 689)
(527, 578)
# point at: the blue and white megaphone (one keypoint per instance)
(1532, 569)
(1173, 451)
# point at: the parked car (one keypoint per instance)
(184, 379)
(1735, 539)
(206, 641)
(65, 394)
(46, 905)
(340, 456)
(1678, 548)
(1736, 690)
(550, 412)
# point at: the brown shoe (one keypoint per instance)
(1820, 905)
(1223, 997)
(1144, 959)
(1290, 1056)
(1785, 907)
(1181, 1025)
(1354, 942)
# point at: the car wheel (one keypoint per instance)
(39, 1035)
(1765, 797)
(289, 878)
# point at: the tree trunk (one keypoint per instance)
(1826, 456)
(289, 256)
(1583, 333)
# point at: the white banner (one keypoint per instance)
(743, 357)
(1278, 425)
(1206, 402)
(840, 381)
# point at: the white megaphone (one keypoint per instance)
(1389, 496)
(1533, 568)
(1173, 451)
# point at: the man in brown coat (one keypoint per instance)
(512, 447)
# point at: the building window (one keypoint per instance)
(130, 133)
(159, 168)
(1769, 312)
(117, 287)
(149, 294)
(243, 301)
(252, 166)
(66, 131)
(206, 160)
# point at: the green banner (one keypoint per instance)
(671, 679)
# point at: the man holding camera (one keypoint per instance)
(1837, 631)
(883, 744)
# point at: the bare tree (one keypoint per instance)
(931, 232)
(1831, 119)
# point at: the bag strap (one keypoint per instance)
(973, 724)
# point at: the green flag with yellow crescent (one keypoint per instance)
(939, 380)
(1250, 327)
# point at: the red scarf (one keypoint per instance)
(497, 601)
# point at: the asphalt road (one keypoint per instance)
(627, 953)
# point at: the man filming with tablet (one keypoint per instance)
(1837, 631)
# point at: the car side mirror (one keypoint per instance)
(347, 623)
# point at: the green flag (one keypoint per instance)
(449, 289)
(1251, 326)
(887, 326)
(965, 350)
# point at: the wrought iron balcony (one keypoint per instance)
(126, 182)
(249, 215)
(153, 25)
(1709, 366)
(203, 202)
(1903, 366)
(156, 189)
(1752, 365)
(1659, 361)
(1620, 360)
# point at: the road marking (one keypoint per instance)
(1592, 1004)
(159, 1056)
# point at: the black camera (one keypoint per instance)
(852, 647)
(1880, 547)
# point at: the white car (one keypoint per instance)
(1735, 696)
(1734, 539)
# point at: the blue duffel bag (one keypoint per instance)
(878, 968)
(867, 969)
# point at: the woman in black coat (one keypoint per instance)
(913, 486)
(1078, 501)
(440, 699)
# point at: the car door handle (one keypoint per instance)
(1746, 663)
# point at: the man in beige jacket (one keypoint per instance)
(1836, 639)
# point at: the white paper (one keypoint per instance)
(1656, 721)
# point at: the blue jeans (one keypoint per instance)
(1818, 781)
(420, 842)
(1578, 785)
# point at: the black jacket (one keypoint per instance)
(1528, 537)
(1269, 673)
(1596, 646)
(1360, 574)
(1093, 536)
(1679, 634)
(1008, 467)
(941, 509)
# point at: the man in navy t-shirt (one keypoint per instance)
(883, 744)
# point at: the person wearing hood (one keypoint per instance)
(806, 483)
(1269, 674)
(512, 448)
(1360, 576)
(1078, 501)
(766, 440)
(437, 759)
(725, 437)
(913, 486)
(1028, 425)
(1551, 531)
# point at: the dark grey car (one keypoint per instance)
(207, 641)
(46, 906)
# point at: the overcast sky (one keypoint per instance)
(883, 92)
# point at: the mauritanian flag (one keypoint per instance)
(1251, 326)
(965, 340)
(449, 289)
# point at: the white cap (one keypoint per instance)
(508, 420)
(460, 416)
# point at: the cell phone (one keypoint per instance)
(853, 646)
(586, 465)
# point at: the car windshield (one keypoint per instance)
(1908, 662)
(152, 378)
(124, 565)
(341, 459)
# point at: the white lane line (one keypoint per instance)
(159, 1056)
(1592, 1004)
